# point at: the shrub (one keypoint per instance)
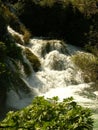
(12, 19)
(92, 49)
(9, 16)
(92, 44)
(49, 114)
(88, 63)
(33, 59)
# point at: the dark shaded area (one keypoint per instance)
(3, 27)
(54, 21)
(3, 91)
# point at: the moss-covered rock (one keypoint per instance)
(27, 69)
(33, 59)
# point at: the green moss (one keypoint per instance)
(33, 59)
(27, 69)
(18, 39)
(26, 36)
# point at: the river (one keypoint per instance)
(58, 76)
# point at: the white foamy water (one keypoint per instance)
(58, 76)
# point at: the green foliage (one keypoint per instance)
(92, 49)
(47, 2)
(88, 63)
(49, 114)
(92, 44)
(33, 59)
(9, 16)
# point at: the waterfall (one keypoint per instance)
(57, 76)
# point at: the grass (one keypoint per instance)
(26, 33)
(26, 36)
(88, 63)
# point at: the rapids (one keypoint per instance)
(58, 76)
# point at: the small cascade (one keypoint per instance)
(42, 47)
(57, 67)
(23, 95)
(57, 61)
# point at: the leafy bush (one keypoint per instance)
(88, 63)
(49, 114)
(92, 44)
(92, 49)
(9, 16)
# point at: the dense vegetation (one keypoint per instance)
(49, 114)
(88, 63)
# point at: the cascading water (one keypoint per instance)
(58, 76)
